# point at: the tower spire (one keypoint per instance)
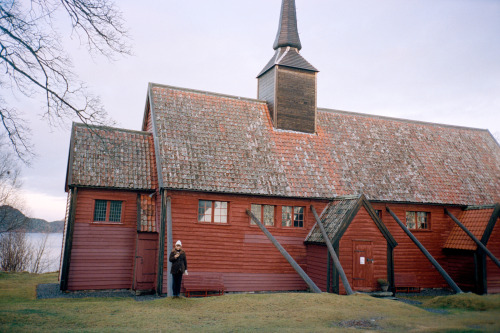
(288, 34)
(288, 82)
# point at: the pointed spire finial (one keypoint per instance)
(288, 34)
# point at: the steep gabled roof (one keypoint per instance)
(480, 221)
(111, 158)
(216, 143)
(339, 214)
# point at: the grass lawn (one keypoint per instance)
(20, 311)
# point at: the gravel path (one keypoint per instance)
(51, 290)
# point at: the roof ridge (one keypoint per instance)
(103, 127)
(400, 119)
(205, 92)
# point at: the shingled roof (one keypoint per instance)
(479, 221)
(111, 158)
(217, 143)
(339, 214)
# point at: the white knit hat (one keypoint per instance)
(178, 243)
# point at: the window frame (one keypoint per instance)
(212, 213)
(293, 214)
(416, 220)
(107, 211)
(261, 216)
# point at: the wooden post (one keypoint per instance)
(433, 261)
(481, 245)
(68, 240)
(336, 260)
(288, 257)
(170, 244)
(161, 247)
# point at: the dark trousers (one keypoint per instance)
(176, 284)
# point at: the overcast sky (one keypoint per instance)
(429, 60)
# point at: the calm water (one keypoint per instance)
(53, 247)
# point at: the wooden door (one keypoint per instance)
(362, 275)
(145, 262)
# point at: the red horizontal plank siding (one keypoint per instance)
(317, 264)
(407, 257)
(492, 270)
(240, 250)
(461, 268)
(363, 228)
(102, 255)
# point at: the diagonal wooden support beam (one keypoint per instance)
(335, 258)
(477, 241)
(433, 261)
(288, 257)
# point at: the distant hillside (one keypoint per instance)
(10, 215)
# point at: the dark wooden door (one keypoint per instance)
(145, 262)
(362, 265)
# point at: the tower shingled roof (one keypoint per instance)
(288, 34)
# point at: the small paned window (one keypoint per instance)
(417, 220)
(292, 216)
(286, 216)
(212, 211)
(220, 212)
(100, 210)
(115, 211)
(265, 213)
(379, 213)
(108, 211)
(298, 217)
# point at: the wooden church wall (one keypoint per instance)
(102, 255)
(239, 250)
(408, 259)
(317, 258)
(363, 229)
(461, 268)
(492, 270)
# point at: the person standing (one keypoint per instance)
(179, 267)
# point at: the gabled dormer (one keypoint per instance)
(288, 82)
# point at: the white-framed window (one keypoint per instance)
(265, 213)
(292, 216)
(210, 211)
(417, 220)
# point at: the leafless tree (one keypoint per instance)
(15, 252)
(9, 192)
(38, 255)
(33, 62)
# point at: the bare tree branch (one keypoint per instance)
(33, 62)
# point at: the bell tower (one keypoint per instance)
(288, 82)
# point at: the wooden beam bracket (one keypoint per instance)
(335, 258)
(433, 261)
(481, 245)
(287, 256)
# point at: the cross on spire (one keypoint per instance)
(288, 34)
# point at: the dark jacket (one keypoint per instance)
(179, 265)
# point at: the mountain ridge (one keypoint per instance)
(10, 215)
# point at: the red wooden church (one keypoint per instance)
(203, 161)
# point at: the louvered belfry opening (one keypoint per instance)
(288, 82)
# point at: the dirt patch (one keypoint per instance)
(364, 324)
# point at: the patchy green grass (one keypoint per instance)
(467, 301)
(20, 311)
